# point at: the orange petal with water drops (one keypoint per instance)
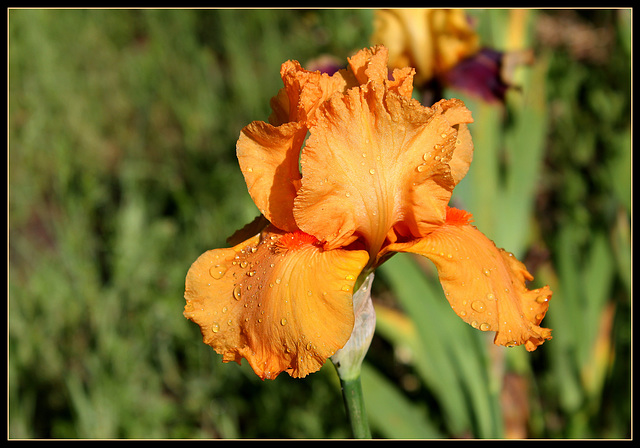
(304, 91)
(370, 64)
(375, 159)
(268, 157)
(485, 285)
(277, 300)
(458, 117)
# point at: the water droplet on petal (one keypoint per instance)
(283, 321)
(215, 327)
(487, 272)
(478, 306)
(372, 171)
(237, 292)
(485, 327)
(217, 271)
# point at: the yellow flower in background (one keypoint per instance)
(445, 50)
(348, 171)
(431, 40)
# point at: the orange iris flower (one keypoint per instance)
(349, 170)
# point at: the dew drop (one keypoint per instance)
(283, 321)
(243, 264)
(511, 344)
(225, 309)
(215, 327)
(218, 271)
(229, 322)
(345, 288)
(485, 327)
(237, 292)
(372, 171)
(542, 299)
(474, 324)
(487, 272)
(421, 168)
(491, 297)
(478, 306)
(350, 277)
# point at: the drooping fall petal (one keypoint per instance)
(375, 159)
(278, 300)
(484, 284)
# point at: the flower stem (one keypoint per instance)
(354, 405)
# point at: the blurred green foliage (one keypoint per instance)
(122, 170)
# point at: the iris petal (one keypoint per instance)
(268, 157)
(304, 91)
(277, 300)
(375, 159)
(484, 284)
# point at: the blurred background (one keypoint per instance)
(122, 128)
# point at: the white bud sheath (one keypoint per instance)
(348, 359)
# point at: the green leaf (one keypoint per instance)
(390, 412)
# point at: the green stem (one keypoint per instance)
(354, 405)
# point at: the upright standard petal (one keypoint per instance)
(268, 157)
(484, 284)
(277, 300)
(370, 64)
(374, 160)
(304, 91)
